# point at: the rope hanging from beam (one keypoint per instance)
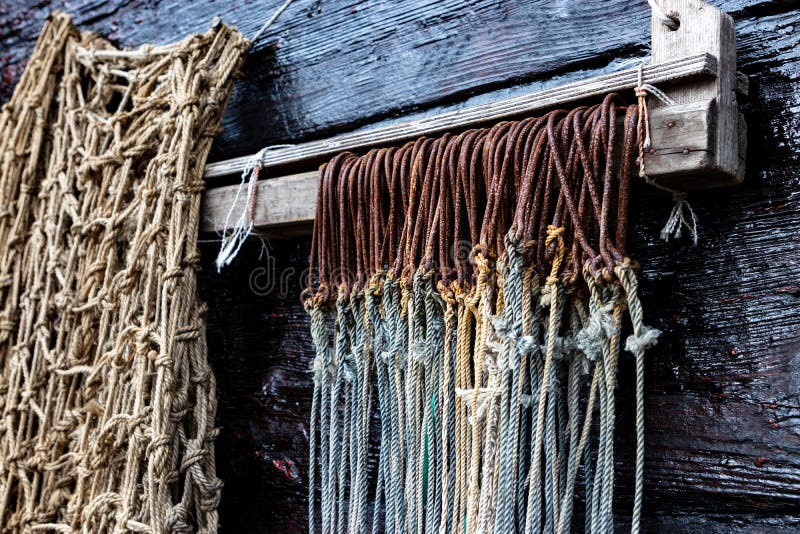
(473, 289)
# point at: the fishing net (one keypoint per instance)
(106, 395)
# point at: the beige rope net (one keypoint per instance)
(106, 395)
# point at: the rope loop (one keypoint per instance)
(669, 21)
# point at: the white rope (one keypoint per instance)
(269, 22)
(232, 241)
(665, 19)
(234, 236)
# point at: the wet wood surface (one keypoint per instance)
(723, 385)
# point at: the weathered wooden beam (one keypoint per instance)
(672, 70)
(285, 206)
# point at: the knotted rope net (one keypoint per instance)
(106, 395)
(472, 289)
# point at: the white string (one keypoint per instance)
(269, 22)
(665, 19)
(234, 236)
(677, 219)
(232, 241)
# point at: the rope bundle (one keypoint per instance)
(106, 396)
(472, 289)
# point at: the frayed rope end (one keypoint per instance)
(678, 219)
(646, 339)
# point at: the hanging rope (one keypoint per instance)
(474, 287)
(232, 240)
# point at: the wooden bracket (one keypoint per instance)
(700, 142)
(697, 143)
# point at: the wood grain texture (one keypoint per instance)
(723, 408)
(705, 29)
(674, 72)
(343, 64)
(285, 206)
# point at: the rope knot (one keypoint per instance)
(481, 403)
(526, 345)
(418, 352)
(502, 327)
(599, 327)
(562, 347)
(647, 338)
(514, 245)
(387, 357)
(347, 367)
(553, 232)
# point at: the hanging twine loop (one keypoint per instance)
(682, 214)
(232, 241)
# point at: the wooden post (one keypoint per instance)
(701, 28)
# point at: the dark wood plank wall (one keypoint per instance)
(723, 401)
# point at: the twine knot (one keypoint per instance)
(599, 327)
(646, 339)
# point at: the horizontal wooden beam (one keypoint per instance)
(285, 206)
(681, 69)
(682, 139)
